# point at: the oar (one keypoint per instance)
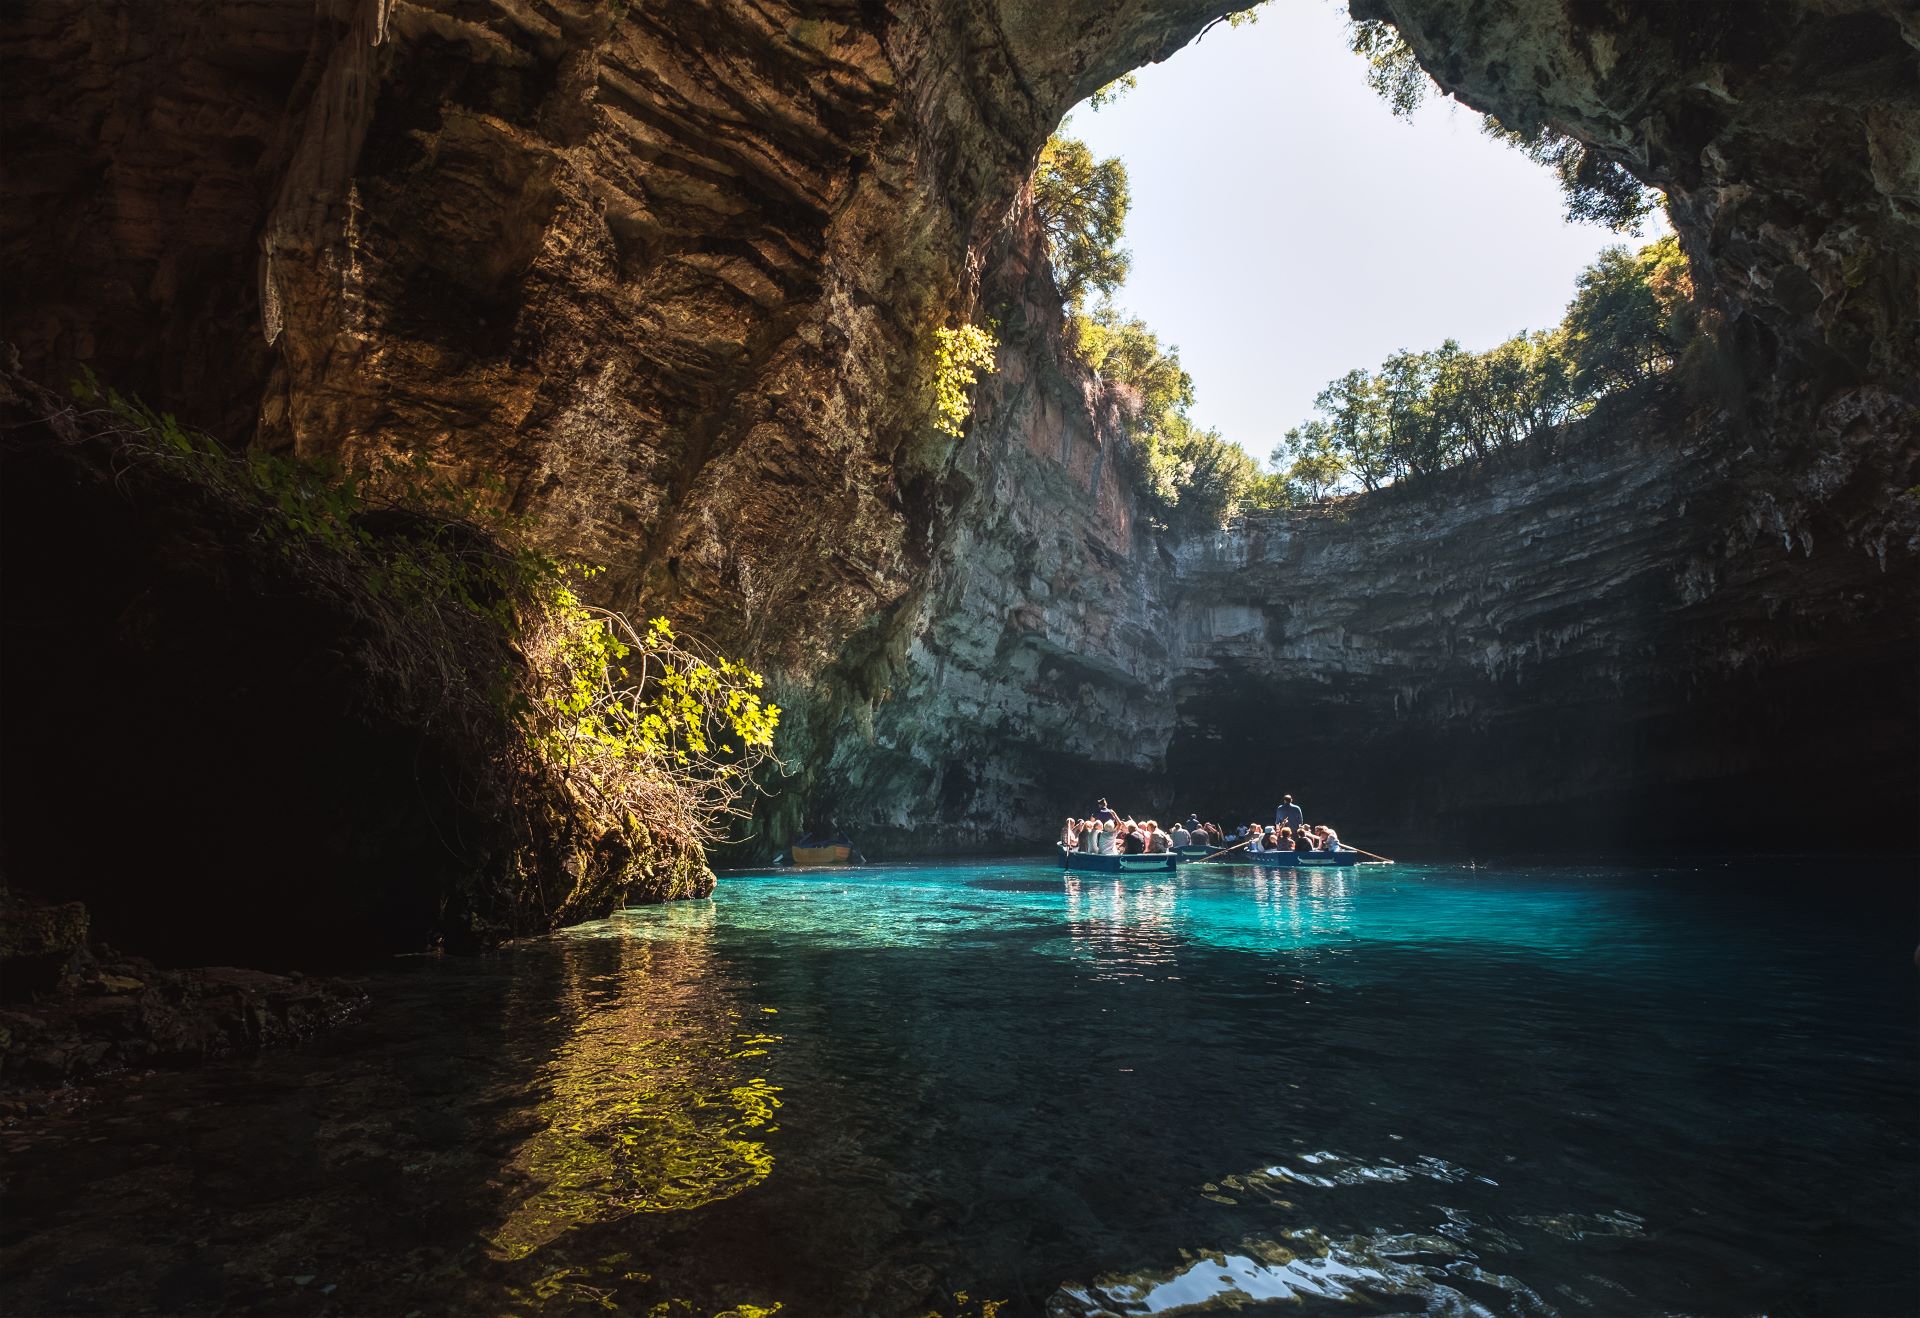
(1350, 847)
(1235, 847)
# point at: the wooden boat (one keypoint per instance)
(1164, 863)
(827, 855)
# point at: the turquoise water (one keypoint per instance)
(944, 1089)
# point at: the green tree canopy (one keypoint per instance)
(1422, 412)
(1082, 203)
(1630, 313)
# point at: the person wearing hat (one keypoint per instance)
(1288, 815)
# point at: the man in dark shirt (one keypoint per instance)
(1288, 815)
(1101, 812)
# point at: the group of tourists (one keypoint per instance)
(1106, 833)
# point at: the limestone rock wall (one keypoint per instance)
(662, 277)
(1645, 641)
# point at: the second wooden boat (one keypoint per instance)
(827, 855)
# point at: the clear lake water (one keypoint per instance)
(993, 1089)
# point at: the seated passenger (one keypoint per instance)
(1158, 843)
(1133, 842)
(1070, 834)
(1088, 834)
(1283, 840)
(1329, 840)
(1181, 837)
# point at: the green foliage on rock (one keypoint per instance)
(1597, 188)
(957, 355)
(1393, 70)
(1192, 478)
(646, 740)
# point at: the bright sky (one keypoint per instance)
(1286, 228)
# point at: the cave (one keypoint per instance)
(671, 290)
(536, 250)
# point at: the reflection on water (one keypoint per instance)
(655, 1102)
(1123, 927)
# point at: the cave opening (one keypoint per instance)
(1283, 222)
(1379, 295)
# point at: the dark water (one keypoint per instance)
(969, 1090)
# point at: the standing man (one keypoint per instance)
(1288, 815)
(1105, 815)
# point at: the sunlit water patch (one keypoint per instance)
(998, 1089)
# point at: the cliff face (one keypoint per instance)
(1641, 643)
(1646, 634)
(665, 275)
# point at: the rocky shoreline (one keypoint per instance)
(75, 1011)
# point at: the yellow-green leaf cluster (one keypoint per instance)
(957, 355)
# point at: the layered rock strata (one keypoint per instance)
(663, 278)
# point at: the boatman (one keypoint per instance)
(1287, 815)
(1106, 816)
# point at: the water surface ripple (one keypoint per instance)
(991, 1088)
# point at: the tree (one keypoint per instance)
(1082, 203)
(1393, 70)
(1122, 350)
(1210, 475)
(1354, 408)
(1619, 331)
(1310, 464)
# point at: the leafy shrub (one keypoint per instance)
(957, 355)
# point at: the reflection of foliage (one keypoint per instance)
(651, 1108)
(957, 354)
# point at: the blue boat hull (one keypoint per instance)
(1096, 864)
(1282, 860)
